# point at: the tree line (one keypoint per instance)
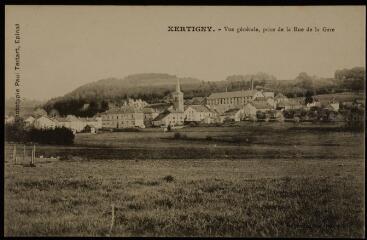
(17, 132)
(90, 100)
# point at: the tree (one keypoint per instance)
(309, 97)
(304, 81)
(352, 79)
(39, 112)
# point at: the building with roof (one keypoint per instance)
(198, 113)
(174, 115)
(250, 109)
(124, 117)
(44, 122)
(235, 114)
(90, 128)
(289, 104)
(231, 100)
(71, 122)
(9, 119)
(149, 114)
(29, 121)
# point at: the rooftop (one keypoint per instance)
(198, 108)
(243, 93)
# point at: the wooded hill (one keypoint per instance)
(155, 87)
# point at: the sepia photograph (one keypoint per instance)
(184, 121)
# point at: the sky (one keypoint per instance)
(64, 47)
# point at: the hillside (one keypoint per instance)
(131, 86)
(156, 87)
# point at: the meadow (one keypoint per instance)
(236, 182)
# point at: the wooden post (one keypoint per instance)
(23, 153)
(112, 219)
(34, 154)
(15, 154)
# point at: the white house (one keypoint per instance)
(29, 121)
(197, 113)
(45, 122)
(333, 106)
(268, 94)
(9, 119)
(250, 109)
(169, 118)
(235, 114)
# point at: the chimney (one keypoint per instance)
(252, 84)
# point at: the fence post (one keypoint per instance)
(23, 153)
(15, 154)
(34, 154)
(112, 219)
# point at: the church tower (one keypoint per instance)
(178, 103)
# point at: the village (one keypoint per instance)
(254, 104)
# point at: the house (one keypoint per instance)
(90, 129)
(290, 104)
(235, 114)
(95, 121)
(169, 118)
(197, 113)
(279, 97)
(231, 100)
(39, 112)
(71, 122)
(250, 109)
(333, 106)
(268, 94)
(9, 119)
(196, 101)
(269, 100)
(124, 117)
(44, 122)
(149, 114)
(315, 103)
(29, 121)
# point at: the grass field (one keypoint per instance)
(247, 182)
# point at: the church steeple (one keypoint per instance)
(178, 102)
(178, 86)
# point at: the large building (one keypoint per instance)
(224, 101)
(124, 117)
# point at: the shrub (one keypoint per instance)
(60, 136)
(126, 130)
(178, 135)
(168, 178)
(209, 138)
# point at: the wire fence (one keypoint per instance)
(20, 153)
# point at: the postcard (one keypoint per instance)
(184, 121)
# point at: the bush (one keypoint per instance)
(16, 132)
(168, 178)
(59, 136)
(179, 136)
(126, 130)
